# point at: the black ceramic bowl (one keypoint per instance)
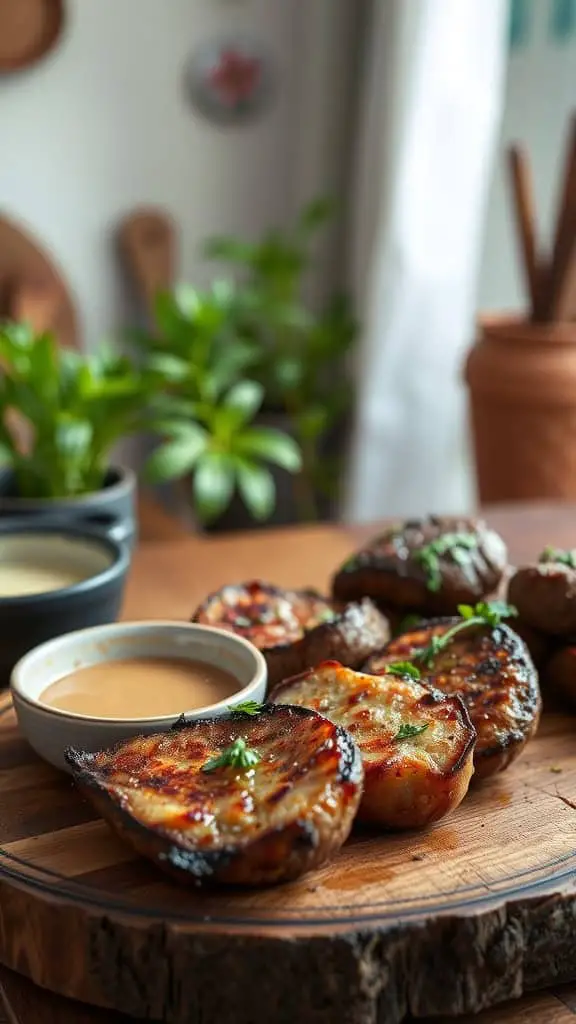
(86, 568)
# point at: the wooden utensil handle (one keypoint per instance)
(148, 244)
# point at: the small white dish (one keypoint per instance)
(50, 730)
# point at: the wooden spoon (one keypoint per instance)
(147, 240)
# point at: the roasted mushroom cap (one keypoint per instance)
(295, 629)
(490, 668)
(432, 565)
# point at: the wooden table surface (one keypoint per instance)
(173, 570)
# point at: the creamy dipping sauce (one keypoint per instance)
(39, 563)
(18, 578)
(140, 688)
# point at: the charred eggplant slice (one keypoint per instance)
(243, 800)
(416, 743)
(431, 565)
(295, 629)
(490, 668)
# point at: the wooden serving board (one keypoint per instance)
(447, 921)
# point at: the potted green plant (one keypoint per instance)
(61, 414)
(206, 403)
(298, 353)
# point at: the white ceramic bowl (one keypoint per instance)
(50, 730)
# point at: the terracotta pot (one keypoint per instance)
(522, 383)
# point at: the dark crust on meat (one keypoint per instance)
(559, 675)
(388, 571)
(491, 669)
(545, 596)
(268, 856)
(349, 636)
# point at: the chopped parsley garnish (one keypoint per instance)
(552, 554)
(247, 707)
(237, 755)
(404, 668)
(455, 544)
(406, 730)
(485, 613)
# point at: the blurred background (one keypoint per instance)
(198, 119)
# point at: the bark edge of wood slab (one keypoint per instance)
(366, 939)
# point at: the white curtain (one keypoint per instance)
(434, 87)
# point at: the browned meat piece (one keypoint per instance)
(416, 743)
(491, 670)
(559, 675)
(545, 596)
(238, 799)
(295, 629)
(431, 564)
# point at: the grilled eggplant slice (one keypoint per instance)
(545, 596)
(295, 629)
(206, 815)
(416, 743)
(431, 565)
(490, 668)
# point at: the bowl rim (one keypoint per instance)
(19, 693)
(116, 570)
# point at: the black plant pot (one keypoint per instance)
(287, 510)
(114, 506)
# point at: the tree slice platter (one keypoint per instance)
(471, 912)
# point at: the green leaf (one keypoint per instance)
(179, 456)
(404, 668)
(465, 611)
(406, 731)
(257, 489)
(244, 398)
(213, 485)
(171, 368)
(272, 446)
(247, 707)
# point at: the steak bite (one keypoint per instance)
(241, 800)
(432, 565)
(545, 596)
(295, 629)
(416, 743)
(491, 670)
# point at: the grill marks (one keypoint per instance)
(391, 569)
(491, 669)
(286, 815)
(409, 782)
(295, 629)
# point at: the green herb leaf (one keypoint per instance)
(213, 484)
(247, 707)
(404, 668)
(485, 613)
(406, 731)
(179, 456)
(244, 398)
(257, 489)
(271, 445)
(454, 544)
(237, 755)
(562, 557)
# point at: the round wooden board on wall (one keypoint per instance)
(31, 280)
(29, 29)
(447, 921)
